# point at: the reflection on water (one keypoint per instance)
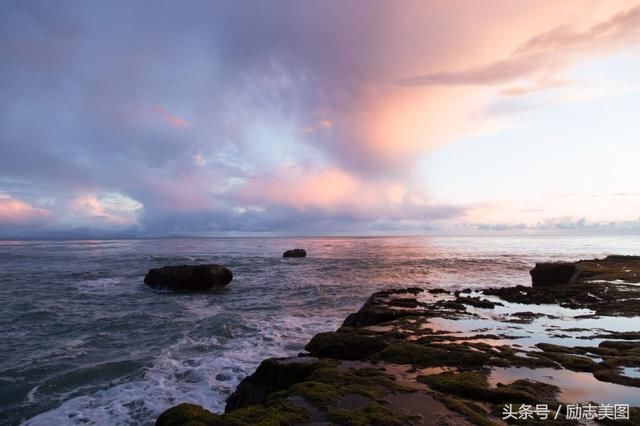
(631, 372)
(549, 324)
(576, 387)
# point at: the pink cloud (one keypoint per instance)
(172, 120)
(17, 212)
(336, 192)
(318, 125)
(544, 54)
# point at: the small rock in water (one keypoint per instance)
(186, 278)
(553, 273)
(295, 253)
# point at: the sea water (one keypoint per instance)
(84, 341)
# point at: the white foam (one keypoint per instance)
(104, 286)
(202, 371)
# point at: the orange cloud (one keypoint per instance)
(16, 212)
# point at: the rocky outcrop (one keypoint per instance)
(297, 252)
(553, 273)
(272, 375)
(614, 267)
(188, 278)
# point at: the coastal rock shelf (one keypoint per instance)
(440, 357)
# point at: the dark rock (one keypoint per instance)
(553, 273)
(185, 278)
(477, 302)
(298, 252)
(374, 314)
(345, 344)
(271, 376)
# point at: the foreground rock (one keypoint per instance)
(553, 273)
(437, 357)
(188, 278)
(298, 252)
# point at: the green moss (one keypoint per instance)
(621, 346)
(326, 386)
(271, 376)
(187, 415)
(468, 409)
(548, 347)
(613, 375)
(372, 414)
(321, 394)
(473, 385)
(465, 384)
(569, 361)
(509, 357)
(275, 413)
(433, 355)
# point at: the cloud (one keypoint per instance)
(339, 194)
(536, 87)
(19, 213)
(170, 119)
(273, 117)
(559, 225)
(544, 55)
(318, 125)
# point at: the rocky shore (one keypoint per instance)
(438, 357)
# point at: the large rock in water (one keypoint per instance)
(295, 253)
(545, 274)
(185, 278)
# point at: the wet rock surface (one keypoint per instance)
(439, 357)
(188, 278)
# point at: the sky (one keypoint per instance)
(287, 117)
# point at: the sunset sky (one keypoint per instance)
(357, 117)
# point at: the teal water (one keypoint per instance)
(84, 341)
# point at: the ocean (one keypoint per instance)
(83, 341)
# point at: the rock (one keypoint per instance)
(184, 413)
(272, 375)
(553, 273)
(298, 252)
(185, 278)
(613, 267)
(345, 344)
